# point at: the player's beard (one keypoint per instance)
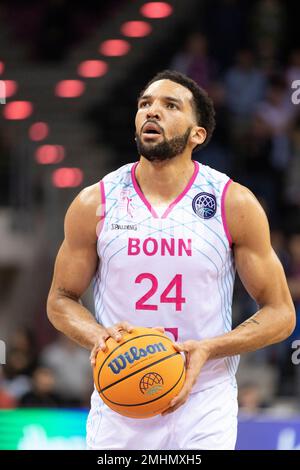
(165, 150)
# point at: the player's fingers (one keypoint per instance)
(190, 379)
(187, 359)
(187, 346)
(125, 326)
(174, 405)
(182, 395)
(93, 355)
(101, 345)
(192, 373)
(115, 333)
(128, 327)
(179, 347)
(181, 398)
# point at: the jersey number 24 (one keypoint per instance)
(166, 295)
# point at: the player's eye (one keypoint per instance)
(172, 106)
(143, 104)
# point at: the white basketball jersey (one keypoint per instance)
(175, 269)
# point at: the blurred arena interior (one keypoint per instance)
(72, 72)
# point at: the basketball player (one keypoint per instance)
(162, 238)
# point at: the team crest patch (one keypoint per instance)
(205, 205)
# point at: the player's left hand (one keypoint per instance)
(197, 353)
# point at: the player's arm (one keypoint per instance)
(262, 275)
(74, 269)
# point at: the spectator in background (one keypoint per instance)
(254, 151)
(43, 392)
(225, 27)
(245, 87)
(277, 112)
(267, 57)
(6, 400)
(16, 381)
(279, 244)
(23, 341)
(21, 362)
(254, 165)
(195, 61)
(249, 398)
(71, 368)
(218, 154)
(292, 183)
(293, 69)
(268, 21)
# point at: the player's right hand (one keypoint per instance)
(116, 331)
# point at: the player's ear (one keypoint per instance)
(198, 135)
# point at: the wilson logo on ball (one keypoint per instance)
(133, 355)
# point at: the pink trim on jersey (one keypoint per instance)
(173, 204)
(223, 213)
(102, 209)
(139, 192)
(181, 195)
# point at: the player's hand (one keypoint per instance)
(197, 353)
(116, 332)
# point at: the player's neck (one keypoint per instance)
(165, 180)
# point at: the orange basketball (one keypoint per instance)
(139, 376)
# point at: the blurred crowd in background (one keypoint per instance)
(51, 28)
(245, 54)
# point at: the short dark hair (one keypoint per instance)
(202, 103)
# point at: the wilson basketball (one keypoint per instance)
(139, 376)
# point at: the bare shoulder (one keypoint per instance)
(245, 216)
(90, 196)
(239, 198)
(84, 213)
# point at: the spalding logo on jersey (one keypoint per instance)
(205, 205)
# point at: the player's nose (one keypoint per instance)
(153, 113)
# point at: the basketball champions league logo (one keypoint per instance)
(151, 383)
(205, 205)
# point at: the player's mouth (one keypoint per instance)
(151, 130)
